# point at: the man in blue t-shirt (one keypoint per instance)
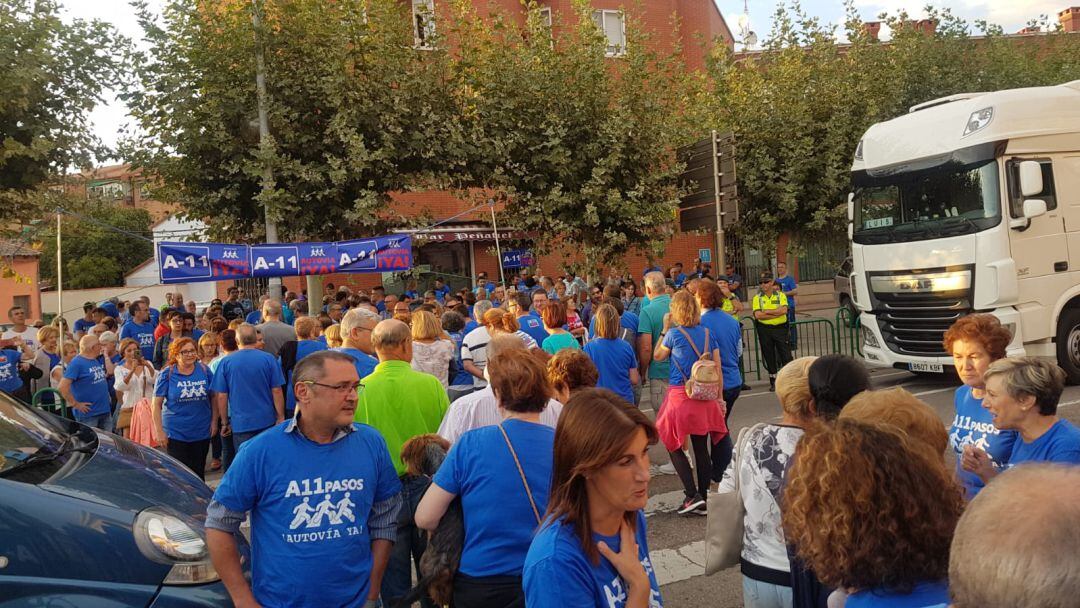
(356, 328)
(11, 358)
(248, 395)
(323, 497)
(787, 284)
(441, 289)
(530, 322)
(140, 329)
(82, 326)
(85, 386)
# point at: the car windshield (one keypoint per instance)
(24, 432)
(945, 200)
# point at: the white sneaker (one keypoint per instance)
(666, 469)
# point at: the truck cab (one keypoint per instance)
(970, 203)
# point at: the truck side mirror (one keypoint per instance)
(1034, 207)
(1031, 182)
(851, 207)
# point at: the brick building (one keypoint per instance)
(119, 184)
(20, 280)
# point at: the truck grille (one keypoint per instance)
(915, 323)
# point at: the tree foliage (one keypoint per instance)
(800, 105)
(96, 256)
(53, 76)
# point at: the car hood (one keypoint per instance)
(126, 475)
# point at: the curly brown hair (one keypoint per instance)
(982, 328)
(571, 369)
(867, 507)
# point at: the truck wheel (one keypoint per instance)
(1068, 343)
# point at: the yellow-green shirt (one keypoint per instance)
(401, 403)
(764, 302)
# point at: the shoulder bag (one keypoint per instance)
(524, 482)
(724, 524)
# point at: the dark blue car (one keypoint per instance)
(89, 519)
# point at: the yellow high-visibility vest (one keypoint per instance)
(764, 302)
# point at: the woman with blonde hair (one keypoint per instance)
(333, 336)
(762, 464)
(208, 347)
(685, 341)
(184, 419)
(593, 542)
(47, 358)
(872, 511)
(433, 350)
(615, 359)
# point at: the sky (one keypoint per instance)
(1012, 15)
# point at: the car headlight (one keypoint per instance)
(166, 538)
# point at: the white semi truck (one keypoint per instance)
(970, 203)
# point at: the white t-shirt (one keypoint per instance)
(433, 358)
(140, 386)
(29, 336)
(480, 409)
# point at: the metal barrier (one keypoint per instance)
(814, 338)
(57, 404)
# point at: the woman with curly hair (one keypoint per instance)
(569, 371)
(872, 511)
(975, 342)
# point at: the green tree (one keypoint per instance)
(96, 256)
(578, 146)
(53, 76)
(355, 113)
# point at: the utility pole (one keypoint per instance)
(274, 288)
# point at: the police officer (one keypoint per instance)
(770, 308)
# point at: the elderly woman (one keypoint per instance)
(433, 349)
(1022, 395)
(975, 342)
(761, 467)
(872, 511)
(503, 475)
(593, 548)
(569, 371)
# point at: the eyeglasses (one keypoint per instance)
(189, 352)
(340, 388)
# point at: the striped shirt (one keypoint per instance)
(480, 409)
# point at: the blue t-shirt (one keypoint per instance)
(924, 595)
(249, 375)
(628, 320)
(442, 292)
(534, 326)
(469, 324)
(499, 521)
(309, 505)
(787, 284)
(187, 410)
(9, 370)
(303, 349)
(973, 424)
(678, 280)
(110, 308)
(82, 325)
(728, 332)
(89, 384)
(197, 334)
(155, 316)
(254, 317)
(614, 359)
(143, 334)
(558, 573)
(1059, 444)
(365, 363)
(463, 378)
(683, 356)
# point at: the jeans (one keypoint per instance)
(104, 422)
(657, 391)
(231, 445)
(409, 546)
(758, 594)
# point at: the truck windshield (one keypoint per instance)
(946, 200)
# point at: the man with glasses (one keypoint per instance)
(247, 393)
(356, 327)
(85, 386)
(530, 322)
(770, 308)
(400, 403)
(323, 497)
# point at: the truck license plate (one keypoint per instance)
(926, 367)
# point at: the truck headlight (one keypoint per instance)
(868, 338)
(165, 538)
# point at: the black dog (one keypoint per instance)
(423, 455)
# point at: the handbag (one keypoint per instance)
(724, 523)
(524, 482)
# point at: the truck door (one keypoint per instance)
(1038, 247)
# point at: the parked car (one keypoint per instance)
(842, 289)
(94, 520)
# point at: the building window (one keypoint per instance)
(22, 302)
(612, 23)
(113, 191)
(423, 12)
(545, 23)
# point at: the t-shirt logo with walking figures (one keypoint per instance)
(311, 515)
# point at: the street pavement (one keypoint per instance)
(677, 542)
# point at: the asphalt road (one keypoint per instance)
(676, 542)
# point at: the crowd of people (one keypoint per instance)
(855, 497)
